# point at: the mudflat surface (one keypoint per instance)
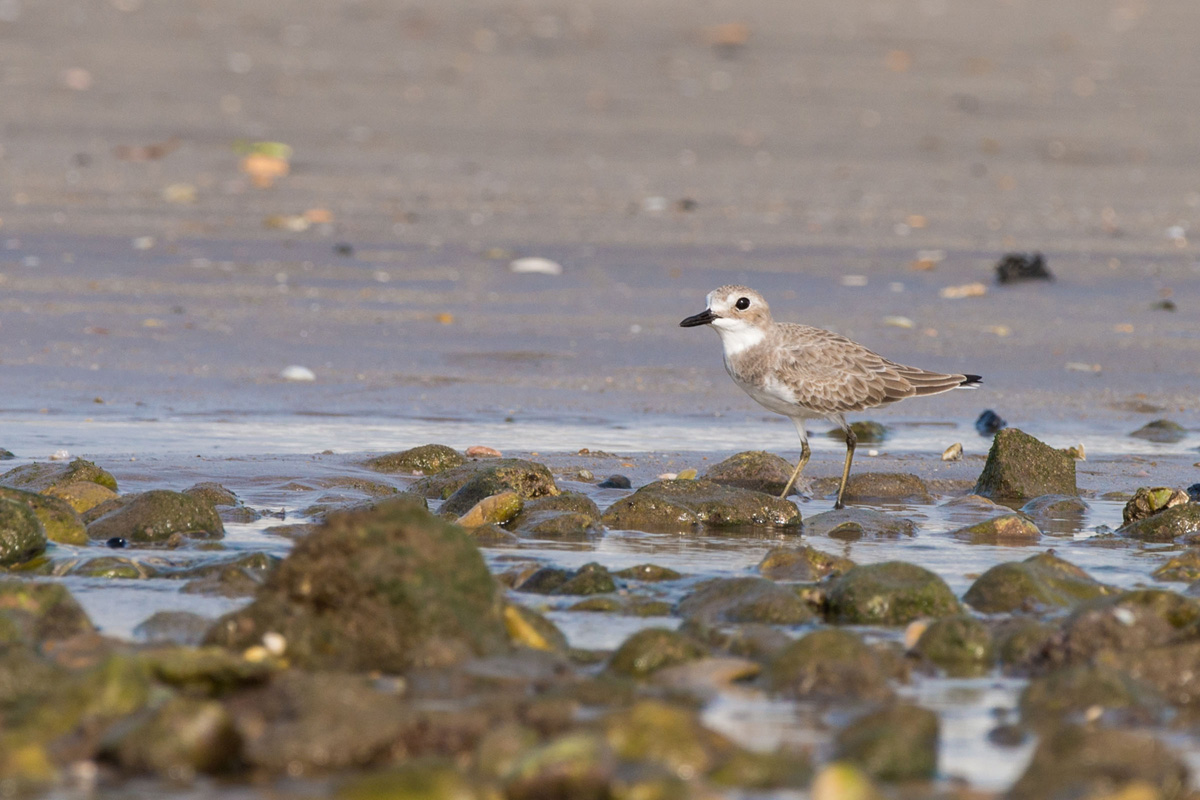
(651, 153)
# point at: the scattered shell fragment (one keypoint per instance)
(481, 451)
(1077, 452)
(179, 193)
(899, 322)
(295, 223)
(1079, 366)
(275, 643)
(965, 290)
(60, 455)
(295, 372)
(999, 330)
(535, 265)
(953, 452)
(854, 280)
(912, 634)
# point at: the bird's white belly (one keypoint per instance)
(775, 396)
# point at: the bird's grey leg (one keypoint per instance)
(851, 441)
(804, 453)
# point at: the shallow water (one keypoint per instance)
(176, 452)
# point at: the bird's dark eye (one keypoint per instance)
(743, 303)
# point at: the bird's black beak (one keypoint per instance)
(703, 318)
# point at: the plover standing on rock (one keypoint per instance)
(808, 373)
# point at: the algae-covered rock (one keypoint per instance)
(179, 738)
(82, 496)
(156, 515)
(1057, 514)
(652, 649)
(802, 563)
(651, 573)
(841, 780)
(210, 671)
(1162, 431)
(469, 483)
(38, 612)
(59, 520)
(568, 515)
(383, 589)
(830, 664)
(428, 459)
(890, 593)
(960, 645)
(1020, 641)
(677, 506)
(41, 477)
(237, 577)
(1096, 762)
(744, 600)
(591, 578)
(1147, 502)
(1177, 523)
(1007, 529)
(1184, 567)
(113, 567)
(212, 492)
(497, 509)
(574, 765)
(528, 628)
(1038, 583)
(422, 780)
(21, 534)
(852, 524)
(666, 736)
(1019, 467)
(865, 432)
(756, 470)
(1132, 621)
(1058, 695)
(888, 487)
(898, 742)
(1170, 670)
(173, 627)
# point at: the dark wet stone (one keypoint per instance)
(238, 514)
(6, 455)
(1129, 622)
(891, 487)
(615, 482)
(59, 521)
(1146, 502)
(752, 641)
(154, 516)
(1059, 695)
(113, 567)
(384, 589)
(1095, 762)
(240, 577)
(649, 573)
(744, 600)
(214, 493)
(476, 480)
(116, 542)
(1177, 523)
(1020, 641)
(898, 742)
(1057, 514)
(828, 665)
(42, 477)
(960, 645)
(1017, 267)
(589, 579)
(852, 524)
(21, 534)
(1006, 529)
(683, 506)
(1038, 583)
(1170, 670)
(651, 649)
(1019, 467)
(1183, 567)
(179, 738)
(891, 593)
(38, 612)
(802, 563)
(563, 516)
(1163, 431)
(1008, 735)
(756, 470)
(173, 627)
(428, 459)
(1193, 492)
(989, 423)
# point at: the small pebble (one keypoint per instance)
(615, 482)
(535, 265)
(60, 455)
(295, 372)
(989, 422)
(343, 249)
(953, 452)
(116, 543)
(966, 290)
(1017, 267)
(479, 451)
(1194, 492)
(585, 475)
(275, 643)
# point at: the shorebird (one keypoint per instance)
(808, 373)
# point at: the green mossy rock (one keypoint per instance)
(1133, 621)
(755, 470)
(651, 573)
(802, 563)
(178, 739)
(887, 487)
(744, 600)
(1020, 641)
(1146, 502)
(569, 515)
(428, 459)
(685, 506)
(1057, 696)
(1038, 583)
(1019, 467)
(474, 481)
(1007, 529)
(591, 578)
(852, 524)
(116, 567)
(1177, 523)
(1163, 431)
(154, 516)
(385, 589)
(899, 742)
(422, 780)
(21, 533)
(214, 493)
(960, 645)
(828, 665)
(891, 593)
(38, 612)
(82, 496)
(577, 765)
(1184, 567)
(60, 522)
(666, 736)
(651, 649)
(43, 476)
(1095, 762)
(1170, 670)
(528, 628)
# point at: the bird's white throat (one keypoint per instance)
(736, 336)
